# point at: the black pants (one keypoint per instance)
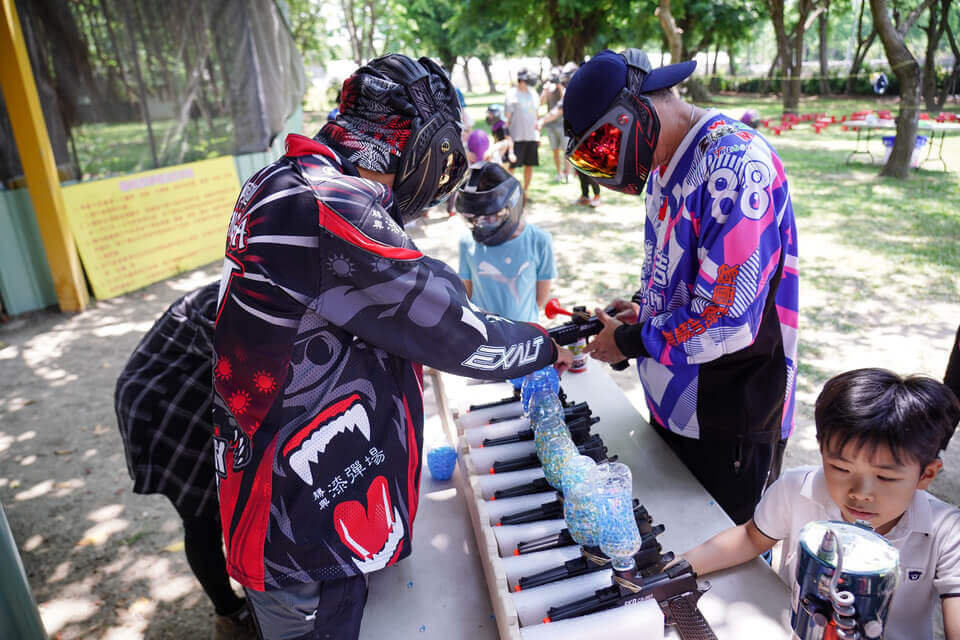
(734, 472)
(585, 183)
(203, 546)
(328, 610)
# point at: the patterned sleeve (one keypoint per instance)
(379, 287)
(738, 207)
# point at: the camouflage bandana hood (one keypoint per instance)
(374, 123)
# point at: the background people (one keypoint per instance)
(552, 123)
(506, 264)
(164, 401)
(520, 109)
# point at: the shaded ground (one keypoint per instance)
(104, 563)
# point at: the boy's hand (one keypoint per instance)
(564, 359)
(626, 311)
(603, 347)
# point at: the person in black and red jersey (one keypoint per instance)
(326, 313)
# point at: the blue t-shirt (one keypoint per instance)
(505, 277)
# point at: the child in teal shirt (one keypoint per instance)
(507, 265)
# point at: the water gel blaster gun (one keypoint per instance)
(676, 590)
(581, 325)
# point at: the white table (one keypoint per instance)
(930, 127)
(449, 595)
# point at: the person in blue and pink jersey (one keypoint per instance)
(714, 324)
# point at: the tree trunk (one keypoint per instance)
(863, 45)
(194, 76)
(466, 73)
(824, 68)
(784, 51)
(765, 86)
(141, 87)
(907, 70)
(952, 84)
(485, 62)
(129, 92)
(673, 35)
(350, 22)
(935, 30)
(733, 66)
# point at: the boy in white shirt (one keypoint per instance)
(880, 436)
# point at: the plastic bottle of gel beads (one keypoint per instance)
(580, 507)
(545, 378)
(619, 536)
(557, 453)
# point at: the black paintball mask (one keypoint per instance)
(617, 149)
(402, 116)
(491, 201)
(434, 162)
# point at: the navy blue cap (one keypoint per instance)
(594, 86)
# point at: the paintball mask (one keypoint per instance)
(491, 201)
(402, 116)
(434, 162)
(617, 147)
(494, 114)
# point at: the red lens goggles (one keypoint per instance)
(598, 153)
(618, 149)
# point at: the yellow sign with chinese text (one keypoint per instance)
(137, 229)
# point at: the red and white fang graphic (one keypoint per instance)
(307, 444)
(373, 533)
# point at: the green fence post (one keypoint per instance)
(19, 616)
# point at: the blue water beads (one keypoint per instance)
(581, 509)
(546, 419)
(557, 453)
(619, 536)
(544, 405)
(441, 460)
(546, 378)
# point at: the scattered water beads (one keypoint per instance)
(619, 536)
(556, 454)
(580, 507)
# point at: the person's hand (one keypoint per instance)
(625, 311)
(603, 347)
(564, 359)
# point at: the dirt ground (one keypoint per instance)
(104, 563)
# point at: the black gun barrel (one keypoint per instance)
(563, 538)
(579, 431)
(546, 511)
(592, 447)
(674, 581)
(570, 411)
(649, 561)
(495, 403)
(569, 332)
(534, 486)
